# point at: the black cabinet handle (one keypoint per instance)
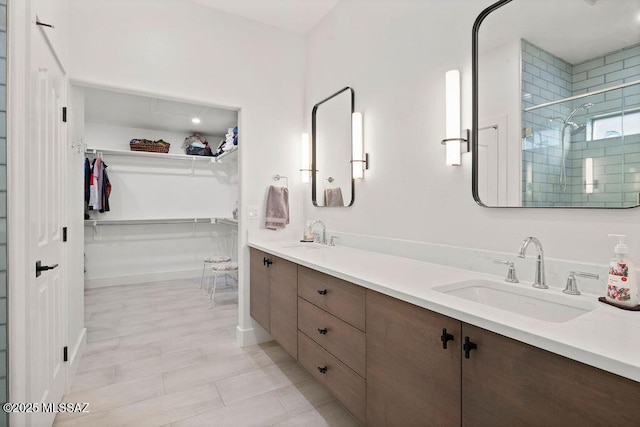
(323, 331)
(468, 346)
(322, 370)
(322, 291)
(445, 337)
(266, 261)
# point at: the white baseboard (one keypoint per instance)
(252, 336)
(133, 279)
(75, 355)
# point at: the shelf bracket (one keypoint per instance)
(193, 166)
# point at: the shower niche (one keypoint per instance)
(557, 104)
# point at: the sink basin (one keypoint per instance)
(534, 303)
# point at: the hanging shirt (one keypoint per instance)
(105, 190)
(95, 197)
(87, 180)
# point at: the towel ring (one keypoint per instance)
(330, 179)
(279, 177)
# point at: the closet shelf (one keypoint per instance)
(96, 222)
(227, 157)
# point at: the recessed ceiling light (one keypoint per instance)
(195, 120)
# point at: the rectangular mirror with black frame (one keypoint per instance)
(556, 94)
(332, 184)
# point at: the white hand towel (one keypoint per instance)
(277, 215)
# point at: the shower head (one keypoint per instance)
(576, 128)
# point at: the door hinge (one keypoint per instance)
(64, 114)
(65, 354)
(64, 234)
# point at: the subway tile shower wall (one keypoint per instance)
(616, 159)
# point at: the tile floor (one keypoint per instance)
(157, 355)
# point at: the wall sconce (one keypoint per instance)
(359, 159)
(305, 158)
(590, 183)
(454, 142)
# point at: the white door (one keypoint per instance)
(494, 180)
(488, 165)
(46, 186)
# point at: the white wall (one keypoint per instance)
(395, 54)
(187, 51)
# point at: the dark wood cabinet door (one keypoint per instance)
(259, 288)
(283, 303)
(508, 383)
(411, 379)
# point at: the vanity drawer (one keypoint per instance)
(339, 338)
(342, 299)
(347, 386)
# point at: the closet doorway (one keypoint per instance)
(173, 185)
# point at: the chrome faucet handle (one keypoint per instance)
(572, 284)
(332, 242)
(512, 277)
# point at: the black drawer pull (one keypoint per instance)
(322, 291)
(266, 261)
(322, 370)
(468, 346)
(446, 337)
(323, 331)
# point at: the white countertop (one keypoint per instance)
(606, 337)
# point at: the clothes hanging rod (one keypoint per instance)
(110, 152)
(584, 95)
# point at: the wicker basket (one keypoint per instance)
(150, 147)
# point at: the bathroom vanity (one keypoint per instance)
(396, 351)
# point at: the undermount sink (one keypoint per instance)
(535, 303)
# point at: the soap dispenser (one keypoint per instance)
(308, 232)
(622, 287)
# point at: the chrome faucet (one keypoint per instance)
(540, 281)
(324, 231)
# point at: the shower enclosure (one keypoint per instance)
(581, 130)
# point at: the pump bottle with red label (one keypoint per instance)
(622, 287)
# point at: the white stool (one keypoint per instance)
(213, 260)
(220, 269)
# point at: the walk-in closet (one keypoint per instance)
(160, 182)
